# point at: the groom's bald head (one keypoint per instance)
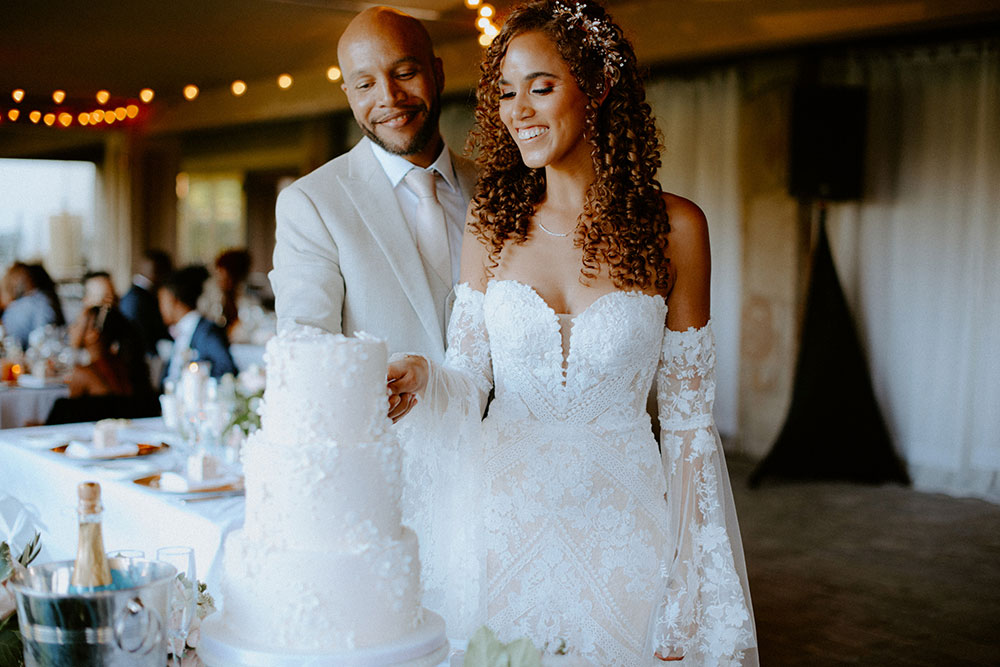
(393, 82)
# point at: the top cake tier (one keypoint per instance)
(325, 386)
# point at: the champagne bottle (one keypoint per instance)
(91, 571)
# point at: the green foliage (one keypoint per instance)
(11, 644)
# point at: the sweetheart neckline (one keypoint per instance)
(574, 316)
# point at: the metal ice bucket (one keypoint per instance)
(109, 628)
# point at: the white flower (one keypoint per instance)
(251, 381)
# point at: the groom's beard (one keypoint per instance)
(419, 141)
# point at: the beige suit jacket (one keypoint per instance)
(345, 261)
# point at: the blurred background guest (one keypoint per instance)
(140, 303)
(112, 376)
(98, 290)
(196, 338)
(226, 299)
(43, 283)
(26, 306)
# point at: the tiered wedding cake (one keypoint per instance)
(323, 564)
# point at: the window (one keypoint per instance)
(211, 215)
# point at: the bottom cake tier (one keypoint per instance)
(321, 601)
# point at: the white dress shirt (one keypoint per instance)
(182, 332)
(448, 194)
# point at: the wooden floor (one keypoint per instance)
(849, 574)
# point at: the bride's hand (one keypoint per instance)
(407, 377)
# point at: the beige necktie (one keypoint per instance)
(431, 228)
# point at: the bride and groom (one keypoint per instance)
(556, 517)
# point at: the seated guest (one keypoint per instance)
(98, 290)
(116, 364)
(196, 338)
(227, 299)
(113, 380)
(140, 303)
(27, 307)
(43, 283)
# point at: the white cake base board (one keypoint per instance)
(427, 646)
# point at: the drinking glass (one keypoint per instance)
(184, 597)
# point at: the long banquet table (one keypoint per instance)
(22, 406)
(135, 517)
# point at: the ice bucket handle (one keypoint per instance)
(151, 627)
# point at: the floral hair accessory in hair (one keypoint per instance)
(598, 35)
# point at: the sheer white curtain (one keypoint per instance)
(919, 258)
(699, 119)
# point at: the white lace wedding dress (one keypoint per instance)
(563, 523)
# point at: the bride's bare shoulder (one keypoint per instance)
(686, 218)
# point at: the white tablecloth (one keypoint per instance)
(21, 406)
(135, 517)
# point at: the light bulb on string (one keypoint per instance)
(13, 115)
(238, 87)
(484, 39)
(65, 119)
(472, 3)
(120, 113)
(109, 117)
(97, 116)
(491, 31)
(49, 118)
(486, 10)
(482, 22)
(190, 91)
(58, 96)
(35, 116)
(146, 95)
(103, 96)
(83, 118)
(131, 111)
(334, 73)
(17, 94)
(285, 81)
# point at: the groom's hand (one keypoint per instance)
(407, 377)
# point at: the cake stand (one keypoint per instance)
(427, 646)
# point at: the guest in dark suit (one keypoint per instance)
(195, 337)
(140, 303)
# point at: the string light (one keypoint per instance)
(49, 118)
(190, 91)
(238, 87)
(17, 94)
(334, 73)
(103, 96)
(65, 119)
(131, 111)
(472, 4)
(13, 114)
(484, 39)
(97, 116)
(120, 113)
(35, 116)
(83, 118)
(58, 96)
(146, 95)
(285, 81)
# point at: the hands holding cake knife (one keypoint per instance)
(407, 377)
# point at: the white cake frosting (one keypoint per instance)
(322, 562)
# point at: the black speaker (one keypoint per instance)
(827, 142)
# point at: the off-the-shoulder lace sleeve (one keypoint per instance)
(706, 614)
(442, 469)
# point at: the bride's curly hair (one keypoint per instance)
(623, 226)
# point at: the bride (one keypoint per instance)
(581, 282)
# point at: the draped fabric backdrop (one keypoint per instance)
(699, 119)
(919, 259)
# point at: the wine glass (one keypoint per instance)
(184, 597)
(126, 558)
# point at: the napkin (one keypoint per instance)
(79, 449)
(177, 483)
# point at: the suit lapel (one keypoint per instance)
(371, 193)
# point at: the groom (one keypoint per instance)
(371, 240)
